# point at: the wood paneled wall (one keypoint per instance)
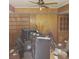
(63, 28)
(15, 25)
(43, 22)
(47, 23)
(35, 10)
(64, 8)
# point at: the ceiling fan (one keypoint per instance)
(41, 3)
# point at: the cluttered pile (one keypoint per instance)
(34, 45)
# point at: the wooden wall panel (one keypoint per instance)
(15, 26)
(35, 10)
(47, 23)
(63, 28)
(64, 8)
(44, 23)
(11, 8)
(12, 37)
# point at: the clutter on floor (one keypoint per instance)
(34, 45)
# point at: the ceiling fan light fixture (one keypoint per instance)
(40, 9)
(41, 3)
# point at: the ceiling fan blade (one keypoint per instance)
(33, 2)
(44, 6)
(50, 3)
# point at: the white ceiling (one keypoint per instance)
(27, 4)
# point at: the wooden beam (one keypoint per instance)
(64, 8)
(35, 10)
(11, 8)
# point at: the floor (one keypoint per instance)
(13, 57)
(28, 54)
